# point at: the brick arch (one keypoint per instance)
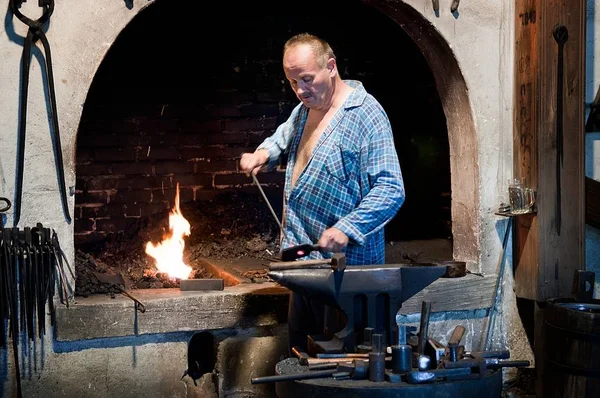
(462, 136)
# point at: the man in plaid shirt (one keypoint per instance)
(343, 181)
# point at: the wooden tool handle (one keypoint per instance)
(298, 264)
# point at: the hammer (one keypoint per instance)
(337, 262)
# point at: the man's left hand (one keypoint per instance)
(333, 240)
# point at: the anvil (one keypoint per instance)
(369, 296)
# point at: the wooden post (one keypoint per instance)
(548, 247)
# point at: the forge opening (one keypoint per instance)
(153, 118)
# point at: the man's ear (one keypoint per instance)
(331, 65)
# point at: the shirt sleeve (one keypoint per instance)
(279, 142)
(381, 168)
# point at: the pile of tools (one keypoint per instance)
(414, 359)
(32, 267)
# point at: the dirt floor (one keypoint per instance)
(232, 228)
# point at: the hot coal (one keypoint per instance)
(231, 226)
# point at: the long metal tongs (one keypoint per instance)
(34, 33)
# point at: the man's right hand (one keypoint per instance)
(251, 163)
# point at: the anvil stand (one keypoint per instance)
(369, 296)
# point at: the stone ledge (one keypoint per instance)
(172, 310)
(243, 305)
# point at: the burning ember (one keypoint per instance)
(169, 253)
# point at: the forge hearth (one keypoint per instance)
(230, 229)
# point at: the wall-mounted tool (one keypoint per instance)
(35, 33)
(561, 35)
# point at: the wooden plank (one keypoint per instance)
(592, 202)
(561, 254)
(545, 258)
(526, 256)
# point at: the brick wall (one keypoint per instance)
(128, 166)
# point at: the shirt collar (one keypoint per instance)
(357, 96)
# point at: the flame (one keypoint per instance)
(169, 253)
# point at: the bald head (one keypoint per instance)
(320, 48)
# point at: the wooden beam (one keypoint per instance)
(549, 251)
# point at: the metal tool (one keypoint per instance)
(337, 263)
(268, 203)
(424, 326)
(454, 5)
(377, 359)
(35, 33)
(396, 283)
(356, 370)
(561, 35)
(299, 251)
(418, 377)
(117, 281)
(498, 289)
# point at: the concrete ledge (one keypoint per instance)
(470, 292)
(172, 310)
(244, 305)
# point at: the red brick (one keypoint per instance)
(84, 156)
(200, 126)
(158, 153)
(100, 197)
(243, 124)
(133, 168)
(236, 151)
(203, 166)
(194, 180)
(131, 196)
(201, 152)
(92, 169)
(259, 110)
(169, 168)
(223, 180)
(84, 225)
(114, 155)
(110, 225)
(94, 212)
(102, 183)
(192, 139)
(257, 137)
(156, 124)
(223, 111)
(238, 138)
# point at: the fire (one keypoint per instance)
(169, 253)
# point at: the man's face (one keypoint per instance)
(312, 83)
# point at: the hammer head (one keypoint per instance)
(338, 261)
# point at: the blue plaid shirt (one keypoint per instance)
(352, 181)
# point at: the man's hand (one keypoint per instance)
(251, 163)
(333, 240)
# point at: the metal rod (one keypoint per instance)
(267, 200)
